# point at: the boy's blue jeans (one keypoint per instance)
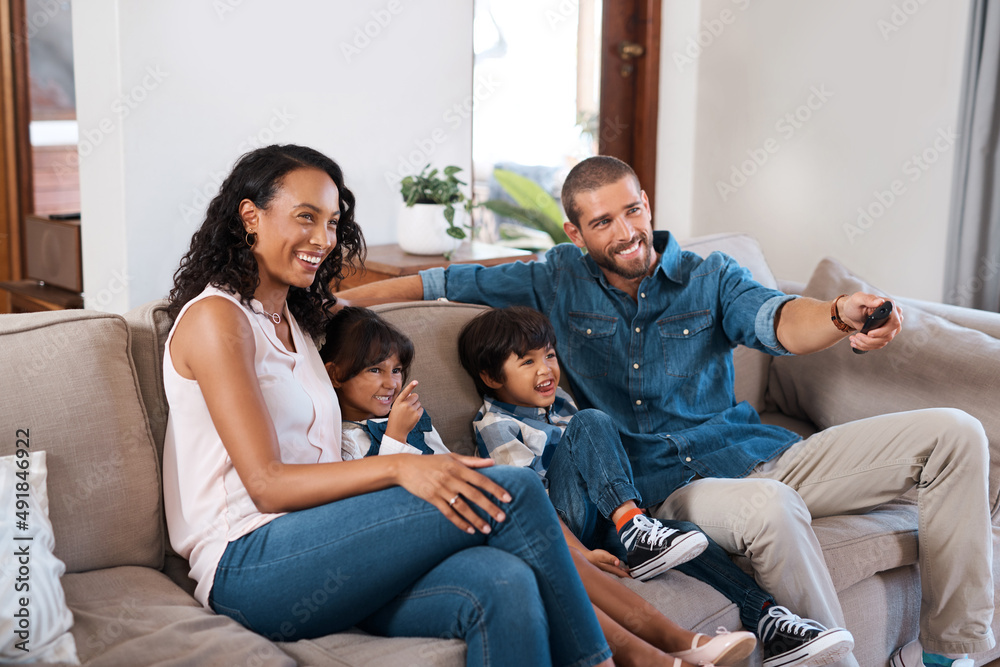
(392, 564)
(590, 476)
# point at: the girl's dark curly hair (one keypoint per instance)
(220, 256)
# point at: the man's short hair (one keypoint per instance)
(592, 174)
(488, 340)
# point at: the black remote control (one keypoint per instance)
(875, 320)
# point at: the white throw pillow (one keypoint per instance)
(34, 618)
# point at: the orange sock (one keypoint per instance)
(625, 518)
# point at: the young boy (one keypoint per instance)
(527, 420)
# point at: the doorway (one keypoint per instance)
(556, 84)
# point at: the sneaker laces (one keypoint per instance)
(652, 532)
(786, 621)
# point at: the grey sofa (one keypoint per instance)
(89, 387)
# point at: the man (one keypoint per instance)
(646, 332)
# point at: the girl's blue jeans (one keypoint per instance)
(590, 476)
(392, 564)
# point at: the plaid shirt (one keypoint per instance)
(520, 436)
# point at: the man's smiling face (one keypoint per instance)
(616, 229)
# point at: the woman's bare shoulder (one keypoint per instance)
(213, 328)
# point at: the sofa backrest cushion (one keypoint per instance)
(149, 326)
(69, 381)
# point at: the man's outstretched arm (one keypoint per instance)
(407, 288)
(803, 325)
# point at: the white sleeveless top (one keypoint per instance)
(206, 503)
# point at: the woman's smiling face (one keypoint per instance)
(297, 231)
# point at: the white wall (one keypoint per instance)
(169, 94)
(883, 77)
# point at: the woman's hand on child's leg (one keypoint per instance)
(405, 413)
(449, 482)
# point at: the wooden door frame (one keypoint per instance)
(15, 145)
(630, 105)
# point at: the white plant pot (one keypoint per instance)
(423, 230)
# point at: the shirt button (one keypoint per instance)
(642, 294)
(637, 329)
(686, 332)
(638, 402)
(688, 459)
(636, 366)
(588, 332)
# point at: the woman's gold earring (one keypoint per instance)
(249, 242)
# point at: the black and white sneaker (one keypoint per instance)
(653, 549)
(789, 640)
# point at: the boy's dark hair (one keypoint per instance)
(488, 340)
(357, 338)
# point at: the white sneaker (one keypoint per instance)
(912, 655)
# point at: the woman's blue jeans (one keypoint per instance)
(392, 564)
(590, 476)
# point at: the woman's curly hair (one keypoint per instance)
(220, 256)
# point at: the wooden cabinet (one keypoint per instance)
(29, 296)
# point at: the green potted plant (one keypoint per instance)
(431, 219)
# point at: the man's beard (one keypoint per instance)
(637, 268)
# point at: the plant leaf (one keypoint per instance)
(456, 232)
(529, 194)
(532, 218)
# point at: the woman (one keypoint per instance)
(281, 534)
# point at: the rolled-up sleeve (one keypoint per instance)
(764, 323)
(434, 285)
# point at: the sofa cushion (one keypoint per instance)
(69, 380)
(137, 616)
(751, 365)
(929, 355)
(35, 621)
(355, 648)
(149, 326)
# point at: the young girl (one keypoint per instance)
(368, 360)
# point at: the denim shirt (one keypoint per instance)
(661, 365)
